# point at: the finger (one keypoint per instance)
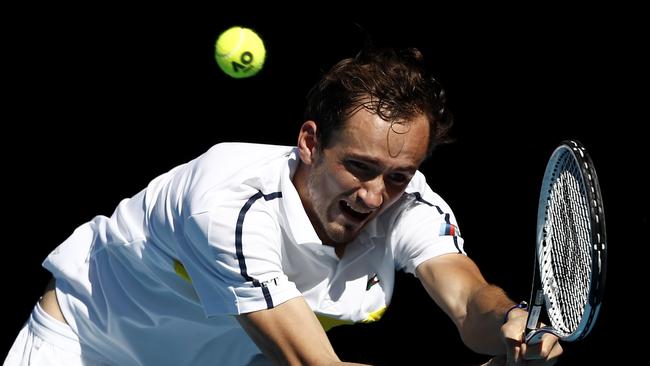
(550, 360)
(540, 354)
(553, 355)
(512, 338)
(543, 349)
(513, 356)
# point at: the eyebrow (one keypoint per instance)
(371, 160)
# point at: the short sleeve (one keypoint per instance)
(233, 257)
(425, 227)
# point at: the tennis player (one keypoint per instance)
(247, 254)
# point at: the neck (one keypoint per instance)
(299, 180)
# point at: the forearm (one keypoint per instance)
(481, 328)
(476, 307)
(290, 334)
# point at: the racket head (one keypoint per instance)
(571, 247)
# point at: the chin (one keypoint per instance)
(339, 233)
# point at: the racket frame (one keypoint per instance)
(538, 299)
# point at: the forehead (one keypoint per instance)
(365, 133)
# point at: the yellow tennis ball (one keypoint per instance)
(240, 52)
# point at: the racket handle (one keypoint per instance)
(535, 310)
(533, 333)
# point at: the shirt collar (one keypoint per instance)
(296, 220)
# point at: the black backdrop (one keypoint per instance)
(104, 101)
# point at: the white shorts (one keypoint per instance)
(46, 341)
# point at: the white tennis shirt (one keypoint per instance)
(159, 281)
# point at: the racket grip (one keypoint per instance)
(535, 310)
(533, 333)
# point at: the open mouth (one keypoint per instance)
(351, 212)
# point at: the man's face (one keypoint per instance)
(364, 171)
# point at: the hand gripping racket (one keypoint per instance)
(571, 255)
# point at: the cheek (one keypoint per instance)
(333, 181)
(339, 181)
(328, 183)
(392, 198)
(393, 195)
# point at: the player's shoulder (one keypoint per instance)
(419, 190)
(246, 150)
(237, 158)
(231, 173)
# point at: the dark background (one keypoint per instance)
(100, 101)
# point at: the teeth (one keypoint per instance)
(355, 210)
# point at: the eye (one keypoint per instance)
(399, 178)
(358, 166)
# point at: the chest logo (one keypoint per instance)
(372, 280)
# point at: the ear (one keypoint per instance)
(308, 142)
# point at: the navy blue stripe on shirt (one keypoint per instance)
(419, 198)
(239, 249)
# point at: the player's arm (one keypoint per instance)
(478, 309)
(290, 334)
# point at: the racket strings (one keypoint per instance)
(566, 257)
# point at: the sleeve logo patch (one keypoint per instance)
(372, 280)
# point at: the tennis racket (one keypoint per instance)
(571, 255)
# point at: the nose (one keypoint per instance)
(372, 192)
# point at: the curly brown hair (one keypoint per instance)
(393, 84)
